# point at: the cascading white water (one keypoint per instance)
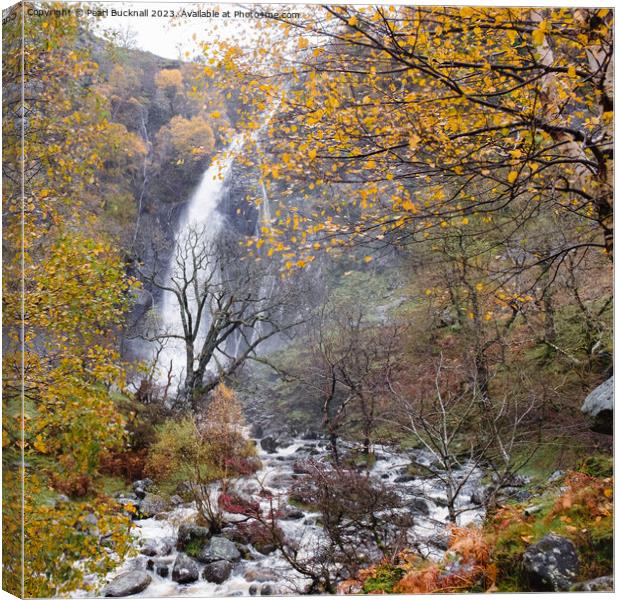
(202, 219)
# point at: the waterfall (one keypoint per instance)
(199, 218)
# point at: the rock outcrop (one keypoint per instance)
(599, 407)
(551, 565)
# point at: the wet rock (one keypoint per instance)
(440, 540)
(261, 575)
(161, 566)
(269, 444)
(192, 536)
(599, 407)
(309, 435)
(404, 478)
(478, 497)
(218, 571)
(253, 589)
(292, 514)
(257, 431)
(127, 583)
(141, 486)
(219, 548)
(176, 500)
(551, 564)
(151, 505)
(157, 547)
(419, 505)
(185, 569)
(162, 570)
(235, 535)
(266, 589)
(600, 584)
(301, 467)
(264, 547)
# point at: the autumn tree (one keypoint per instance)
(65, 292)
(426, 115)
(170, 82)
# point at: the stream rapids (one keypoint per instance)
(270, 574)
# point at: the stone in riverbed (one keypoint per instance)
(161, 566)
(292, 514)
(419, 505)
(194, 536)
(551, 564)
(151, 505)
(269, 444)
(266, 589)
(218, 571)
(219, 548)
(157, 547)
(185, 569)
(142, 486)
(261, 575)
(127, 583)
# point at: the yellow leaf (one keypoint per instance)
(216, 114)
(367, 259)
(512, 176)
(352, 21)
(572, 72)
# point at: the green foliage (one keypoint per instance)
(385, 577)
(580, 508)
(597, 465)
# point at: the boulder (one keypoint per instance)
(161, 566)
(192, 536)
(218, 571)
(599, 407)
(404, 478)
(600, 584)
(261, 575)
(551, 564)
(266, 589)
(256, 431)
(151, 504)
(141, 486)
(269, 444)
(419, 506)
(185, 569)
(292, 514)
(219, 548)
(157, 547)
(127, 583)
(478, 497)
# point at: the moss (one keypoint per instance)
(598, 465)
(581, 512)
(384, 579)
(193, 547)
